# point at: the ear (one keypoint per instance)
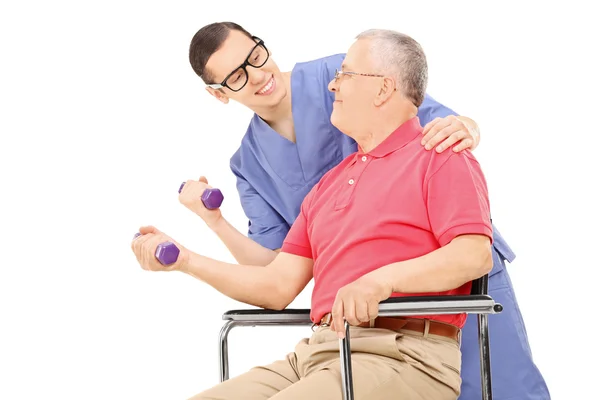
(218, 94)
(386, 90)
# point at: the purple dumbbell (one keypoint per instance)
(166, 253)
(211, 198)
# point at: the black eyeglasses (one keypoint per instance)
(238, 78)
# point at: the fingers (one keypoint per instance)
(433, 129)
(337, 317)
(354, 312)
(373, 309)
(439, 136)
(188, 187)
(451, 138)
(446, 132)
(359, 311)
(193, 189)
(466, 143)
(362, 313)
(144, 230)
(350, 312)
(144, 247)
(432, 123)
(138, 248)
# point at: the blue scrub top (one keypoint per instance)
(274, 174)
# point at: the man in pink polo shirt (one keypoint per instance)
(391, 220)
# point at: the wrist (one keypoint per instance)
(216, 224)
(184, 261)
(383, 280)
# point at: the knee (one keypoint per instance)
(203, 396)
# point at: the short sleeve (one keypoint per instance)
(457, 198)
(430, 109)
(265, 225)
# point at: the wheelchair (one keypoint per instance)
(478, 302)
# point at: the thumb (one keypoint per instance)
(203, 179)
(148, 229)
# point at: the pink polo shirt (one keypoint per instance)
(395, 203)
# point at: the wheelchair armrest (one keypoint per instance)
(420, 305)
(392, 307)
(268, 317)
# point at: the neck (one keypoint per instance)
(387, 121)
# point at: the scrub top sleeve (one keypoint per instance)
(265, 225)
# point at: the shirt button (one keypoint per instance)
(364, 158)
(351, 181)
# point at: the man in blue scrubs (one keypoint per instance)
(290, 143)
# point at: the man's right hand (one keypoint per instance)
(190, 197)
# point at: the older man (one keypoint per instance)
(392, 219)
(288, 147)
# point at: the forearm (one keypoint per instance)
(464, 259)
(473, 128)
(250, 284)
(245, 250)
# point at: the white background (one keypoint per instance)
(102, 118)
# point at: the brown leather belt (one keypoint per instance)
(411, 324)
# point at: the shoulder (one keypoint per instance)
(320, 67)
(451, 162)
(311, 78)
(430, 109)
(334, 60)
(427, 163)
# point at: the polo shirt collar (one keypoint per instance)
(396, 140)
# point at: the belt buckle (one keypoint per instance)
(325, 321)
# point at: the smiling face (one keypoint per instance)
(356, 88)
(251, 76)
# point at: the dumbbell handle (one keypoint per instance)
(211, 198)
(166, 252)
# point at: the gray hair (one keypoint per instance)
(401, 56)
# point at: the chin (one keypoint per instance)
(335, 121)
(274, 99)
(280, 92)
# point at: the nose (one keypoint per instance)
(256, 75)
(333, 87)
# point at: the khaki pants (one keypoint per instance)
(385, 365)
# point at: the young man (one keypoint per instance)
(290, 144)
(361, 247)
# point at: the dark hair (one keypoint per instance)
(206, 42)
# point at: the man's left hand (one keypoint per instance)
(358, 302)
(447, 131)
(144, 248)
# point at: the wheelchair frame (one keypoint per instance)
(478, 302)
